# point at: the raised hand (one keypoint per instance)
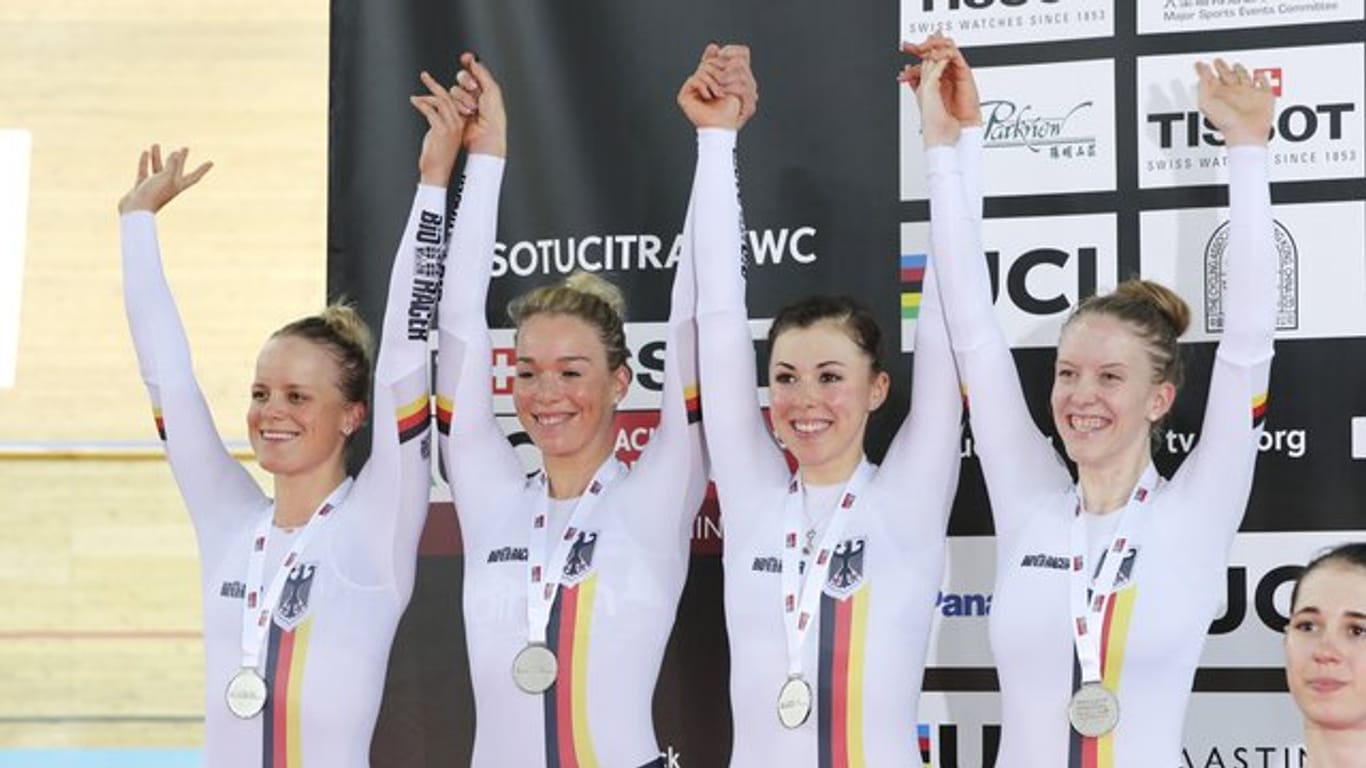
(445, 126)
(938, 124)
(958, 87)
(158, 183)
(722, 91)
(1239, 106)
(486, 127)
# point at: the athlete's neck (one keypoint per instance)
(297, 497)
(836, 471)
(1106, 488)
(569, 475)
(1333, 748)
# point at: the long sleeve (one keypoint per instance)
(475, 451)
(393, 486)
(214, 485)
(1018, 462)
(1220, 467)
(922, 462)
(673, 468)
(739, 447)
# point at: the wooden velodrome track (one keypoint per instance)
(99, 614)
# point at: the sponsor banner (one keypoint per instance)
(958, 635)
(1262, 571)
(15, 148)
(1321, 291)
(1317, 133)
(994, 22)
(1248, 730)
(1048, 128)
(1206, 15)
(620, 253)
(1247, 633)
(646, 341)
(1040, 268)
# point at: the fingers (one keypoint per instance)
(483, 77)
(156, 158)
(910, 75)
(143, 161)
(197, 174)
(426, 105)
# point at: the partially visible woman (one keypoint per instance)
(1325, 656)
(302, 590)
(572, 576)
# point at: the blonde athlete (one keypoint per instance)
(302, 591)
(1105, 587)
(831, 573)
(572, 576)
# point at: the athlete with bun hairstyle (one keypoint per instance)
(1105, 586)
(831, 571)
(302, 590)
(1325, 656)
(572, 576)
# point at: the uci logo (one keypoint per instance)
(1026, 275)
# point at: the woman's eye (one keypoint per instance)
(831, 378)
(1356, 630)
(1066, 374)
(297, 397)
(1303, 625)
(259, 395)
(571, 374)
(524, 374)
(784, 378)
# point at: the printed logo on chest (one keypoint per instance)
(293, 606)
(579, 564)
(846, 568)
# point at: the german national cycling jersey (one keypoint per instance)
(611, 617)
(1154, 626)
(865, 655)
(327, 648)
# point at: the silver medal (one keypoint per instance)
(534, 668)
(246, 693)
(794, 702)
(1093, 710)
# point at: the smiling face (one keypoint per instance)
(299, 421)
(1104, 399)
(822, 387)
(1325, 647)
(564, 393)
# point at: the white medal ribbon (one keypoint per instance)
(1090, 596)
(802, 587)
(543, 582)
(259, 603)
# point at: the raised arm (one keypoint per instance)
(1018, 462)
(396, 479)
(1221, 465)
(739, 447)
(214, 485)
(475, 451)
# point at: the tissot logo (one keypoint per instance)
(1294, 123)
(930, 6)
(1316, 131)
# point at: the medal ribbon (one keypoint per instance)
(543, 583)
(1089, 595)
(802, 586)
(260, 602)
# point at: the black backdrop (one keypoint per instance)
(598, 146)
